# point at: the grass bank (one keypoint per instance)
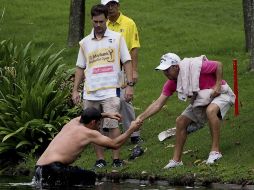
(188, 28)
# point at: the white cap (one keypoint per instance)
(105, 2)
(167, 61)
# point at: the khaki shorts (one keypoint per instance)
(107, 105)
(198, 114)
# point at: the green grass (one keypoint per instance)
(188, 28)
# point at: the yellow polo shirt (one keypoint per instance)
(128, 29)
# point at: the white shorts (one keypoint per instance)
(198, 114)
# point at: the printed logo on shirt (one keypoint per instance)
(111, 40)
(101, 56)
(106, 69)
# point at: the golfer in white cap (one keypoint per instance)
(210, 78)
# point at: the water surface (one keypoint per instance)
(24, 183)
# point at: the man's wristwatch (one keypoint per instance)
(130, 83)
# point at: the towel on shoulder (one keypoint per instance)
(188, 78)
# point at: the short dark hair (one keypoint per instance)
(98, 10)
(90, 114)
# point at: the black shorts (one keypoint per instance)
(58, 174)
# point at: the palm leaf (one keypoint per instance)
(12, 134)
(22, 143)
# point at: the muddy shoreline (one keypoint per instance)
(146, 179)
(187, 180)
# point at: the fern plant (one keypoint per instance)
(34, 93)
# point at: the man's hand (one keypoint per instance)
(216, 91)
(76, 97)
(139, 120)
(136, 125)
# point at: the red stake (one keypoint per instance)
(236, 87)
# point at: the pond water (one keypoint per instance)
(24, 183)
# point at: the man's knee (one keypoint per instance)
(182, 122)
(212, 110)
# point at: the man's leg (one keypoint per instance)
(113, 133)
(215, 112)
(188, 116)
(99, 150)
(181, 135)
(128, 114)
(112, 105)
(214, 124)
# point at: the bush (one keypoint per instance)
(33, 98)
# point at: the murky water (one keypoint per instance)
(24, 183)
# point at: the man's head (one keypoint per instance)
(99, 15)
(169, 65)
(91, 115)
(113, 8)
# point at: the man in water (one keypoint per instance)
(53, 167)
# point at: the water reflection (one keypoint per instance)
(13, 183)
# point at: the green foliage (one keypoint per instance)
(33, 97)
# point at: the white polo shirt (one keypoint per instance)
(93, 51)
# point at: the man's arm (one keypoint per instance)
(79, 76)
(219, 75)
(153, 108)
(129, 89)
(101, 140)
(126, 60)
(134, 58)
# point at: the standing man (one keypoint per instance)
(127, 27)
(53, 167)
(99, 56)
(210, 101)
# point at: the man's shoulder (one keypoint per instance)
(127, 19)
(86, 38)
(113, 33)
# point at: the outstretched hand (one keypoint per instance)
(139, 120)
(136, 124)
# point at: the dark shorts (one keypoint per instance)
(58, 174)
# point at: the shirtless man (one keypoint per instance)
(53, 168)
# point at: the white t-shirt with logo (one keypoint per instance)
(112, 48)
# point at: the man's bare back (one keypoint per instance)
(68, 144)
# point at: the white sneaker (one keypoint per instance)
(173, 164)
(213, 157)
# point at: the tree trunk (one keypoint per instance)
(247, 14)
(252, 37)
(76, 22)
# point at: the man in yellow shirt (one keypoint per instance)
(127, 27)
